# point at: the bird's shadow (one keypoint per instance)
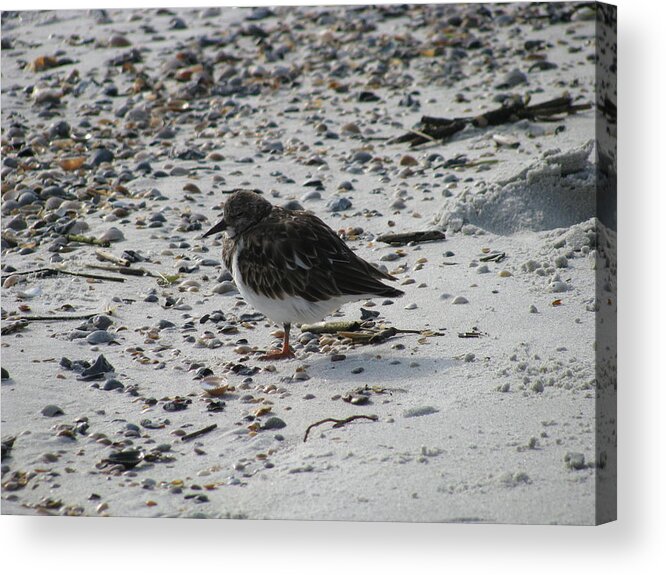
(364, 367)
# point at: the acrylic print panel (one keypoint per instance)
(450, 316)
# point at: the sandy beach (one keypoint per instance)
(128, 128)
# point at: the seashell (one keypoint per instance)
(29, 293)
(351, 128)
(42, 63)
(71, 164)
(214, 386)
(176, 105)
(408, 160)
(191, 188)
(128, 459)
(11, 281)
(63, 143)
(263, 410)
(506, 141)
(47, 95)
(119, 41)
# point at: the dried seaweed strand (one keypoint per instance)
(439, 129)
(337, 422)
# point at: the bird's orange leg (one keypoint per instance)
(285, 352)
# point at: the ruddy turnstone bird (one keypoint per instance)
(290, 265)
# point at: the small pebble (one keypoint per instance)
(101, 155)
(111, 235)
(338, 204)
(311, 195)
(225, 287)
(100, 336)
(52, 411)
(273, 423)
(361, 157)
(112, 384)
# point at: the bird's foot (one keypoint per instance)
(278, 354)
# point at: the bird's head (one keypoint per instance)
(242, 210)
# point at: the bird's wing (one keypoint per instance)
(298, 254)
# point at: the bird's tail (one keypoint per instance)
(389, 291)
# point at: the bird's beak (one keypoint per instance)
(216, 229)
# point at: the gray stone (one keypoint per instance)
(100, 336)
(311, 195)
(338, 204)
(27, 197)
(101, 156)
(361, 157)
(52, 411)
(225, 287)
(274, 423)
(17, 224)
(112, 384)
(101, 321)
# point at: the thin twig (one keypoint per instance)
(124, 271)
(50, 271)
(57, 317)
(338, 422)
(198, 433)
(38, 270)
(92, 276)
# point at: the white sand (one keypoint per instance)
(476, 454)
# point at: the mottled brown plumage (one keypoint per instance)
(289, 264)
